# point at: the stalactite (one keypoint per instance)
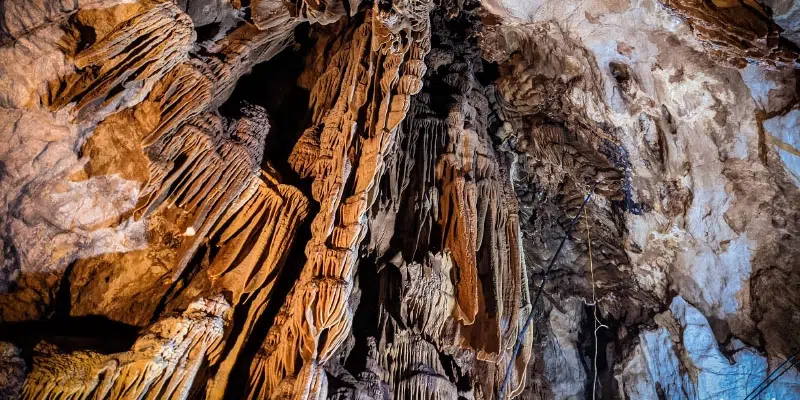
(145, 46)
(254, 239)
(155, 178)
(213, 172)
(317, 316)
(456, 289)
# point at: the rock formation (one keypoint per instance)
(347, 199)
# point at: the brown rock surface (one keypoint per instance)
(736, 31)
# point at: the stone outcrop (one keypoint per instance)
(737, 31)
(351, 199)
(12, 370)
(681, 358)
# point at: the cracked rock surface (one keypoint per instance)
(354, 199)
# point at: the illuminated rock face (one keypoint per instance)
(357, 200)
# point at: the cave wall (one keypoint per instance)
(353, 200)
(712, 210)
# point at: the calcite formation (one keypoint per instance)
(352, 199)
(161, 364)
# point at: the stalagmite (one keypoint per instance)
(161, 364)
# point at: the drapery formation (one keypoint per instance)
(171, 228)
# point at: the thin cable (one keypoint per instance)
(518, 345)
(770, 375)
(597, 324)
(767, 381)
(776, 378)
(594, 301)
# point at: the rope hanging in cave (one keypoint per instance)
(597, 323)
(528, 321)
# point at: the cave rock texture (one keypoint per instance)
(373, 199)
